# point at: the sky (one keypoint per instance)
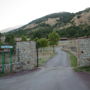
(21, 12)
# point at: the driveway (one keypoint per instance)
(60, 60)
(56, 74)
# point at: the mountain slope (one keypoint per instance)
(55, 22)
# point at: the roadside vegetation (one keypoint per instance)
(2, 74)
(73, 60)
(45, 54)
(82, 69)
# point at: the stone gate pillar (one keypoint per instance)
(84, 51)
(26, 54)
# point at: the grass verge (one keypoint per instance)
(73, 60)
(3, 74)
(43, 60)
(82, 69)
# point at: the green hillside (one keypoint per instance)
(67, 24)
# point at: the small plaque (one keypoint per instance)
(6, 46)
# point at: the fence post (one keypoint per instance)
(37, 57)
(18, 55)
(10, 60)
(3, 61)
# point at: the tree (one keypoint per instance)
(40, 43)
(10, 40)
(40, 32)
(24, 38)
(0, 39)
(0, 34)
(43, 42)
(1, 43)
(53, 39)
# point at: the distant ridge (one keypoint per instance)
(10, 29)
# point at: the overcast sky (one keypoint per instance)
(20, 12)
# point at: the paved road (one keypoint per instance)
(55, 75)
(60, 60)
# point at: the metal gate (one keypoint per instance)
(6, 49)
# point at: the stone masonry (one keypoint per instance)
(26, 54)
(83, 51)
(80, 48)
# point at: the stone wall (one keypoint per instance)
(26, 54)
(83, 47)
(80, 48)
